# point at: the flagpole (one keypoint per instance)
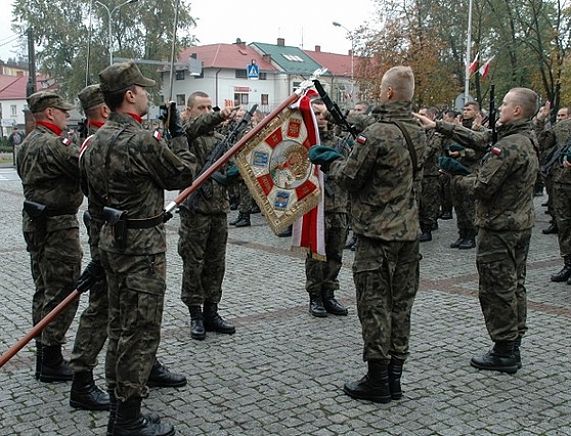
(468, 55)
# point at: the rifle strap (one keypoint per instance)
(409, 145)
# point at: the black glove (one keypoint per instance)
(232, 172)
(456, 147)
(452, 166)
(175, 125)
(92, 273)
(323, 155)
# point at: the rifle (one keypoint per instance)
(492, 114)
(217, 152)
(556, 103)
(338, 117)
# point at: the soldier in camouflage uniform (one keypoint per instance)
(380, 174)
(47, 164)
(505, 216)
(559, 139)
(321, 276)
(203, 225)
(430, 194)
(127, 170)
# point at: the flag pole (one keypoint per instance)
(468, 54)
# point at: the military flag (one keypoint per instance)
(473, 67)
(485, 69)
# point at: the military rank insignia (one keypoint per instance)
(275, 166)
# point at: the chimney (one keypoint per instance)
(350, 52)
(317, 48)
(267, 57)
(194, 56)
(240, 43)
(281, 42)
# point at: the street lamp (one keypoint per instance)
(352, 38)
(109, 16)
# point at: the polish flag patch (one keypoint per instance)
(66, 141)
(496, 151)
(361, 139)
(157, 135)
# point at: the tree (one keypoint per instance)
(61, 27)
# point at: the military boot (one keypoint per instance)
(372, 387)
(112, 411)
(551, 230)
(85, 394)
(213, 322)
(500, 358)
(426, 235)
(54, 368)
(161, 377)
(237, 219)
(197, 330)
(517, 352)
(244, 221)
(469, 241)
(331, 305)
(395, 373)
(565, 273)
(38, 360)
(461, 236)
(130, 422)
(316, 306)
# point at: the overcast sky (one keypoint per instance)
(299, 22)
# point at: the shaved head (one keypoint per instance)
(400, 80)
(527, 99)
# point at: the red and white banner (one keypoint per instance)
(473, 67)
(275, 166)
(485, 69)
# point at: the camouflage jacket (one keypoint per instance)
(555, 140)
(475, 141)
(434, 146)
(48, 167)
(379, 176)
(504, 186)
(128, 168)
(336, 198)
(202, 139)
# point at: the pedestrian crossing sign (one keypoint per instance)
(253, 70)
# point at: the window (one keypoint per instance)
(180, 75)
(265, 99)
(263, 76)
(241, 74)
(240, 98)
(295, 86)
(180, 100)
(13, 110)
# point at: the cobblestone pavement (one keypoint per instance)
(282, 372)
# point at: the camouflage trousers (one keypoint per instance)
(322, 276)
(136, 291)
(56, 266)
(501, 260)
(561, 206)
(202, 247)
(445, 194)
(92, 330)
(386, 276)
(246, 200)
(429, 202)
(548, 182)
(462, 189)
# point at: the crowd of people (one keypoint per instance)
(390, 184)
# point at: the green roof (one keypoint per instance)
(292, 60)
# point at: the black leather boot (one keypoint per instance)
(161, 377)
(372, 387)
(395, 373)
(130, 422)
(197, 330)
(565, 273)
(551, 230)
(316, 306)
(469, 240)
(54, 368)
(112, 411)
(425, 236)
(238, 218)
(331, 305)
(517, 352)
(244, 221)
(457, 242)
(446, 215)
(500, 358)
(38, 360)
(213, 322)
(85, 394)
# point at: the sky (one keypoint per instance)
(304, 23)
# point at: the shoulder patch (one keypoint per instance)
(157, 135)
(66, 141)
(361, 139)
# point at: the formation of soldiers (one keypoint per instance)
(390, 184)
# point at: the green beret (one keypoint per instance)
(41, 100)
(120, 76)
(90, 96)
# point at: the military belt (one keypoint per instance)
(145, 223)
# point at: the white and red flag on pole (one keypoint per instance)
(485, 69)
(473, 67)
(275, 166)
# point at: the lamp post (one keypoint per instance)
(351, 37)
(468, 47)
(110, 16)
